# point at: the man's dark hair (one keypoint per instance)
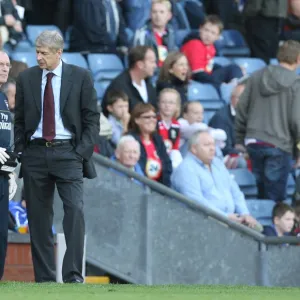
(280, 209)
(136, 54)
(215, 20)
(113, 96)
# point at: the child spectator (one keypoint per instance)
(200, 52)
(283, 221)
(158, 34)
(118, 106)
(192, 121)
(168, 126)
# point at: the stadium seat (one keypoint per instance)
(75, 59)
(27, 57)
(105, 67)
(250, 64)
(231, 43)
(273, 61)
(24, 46)
(222, 61)
(291, 185)
(182, 17)
(100, 91)
(261, 210)
(67, 38)
(33, 31)
(181, 34)
(246, 181)
(226, 90)
(210, 108)
(201, 91)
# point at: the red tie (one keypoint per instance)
(48, 111)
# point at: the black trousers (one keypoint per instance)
(262, 35)
(3, 221)
(42, 169)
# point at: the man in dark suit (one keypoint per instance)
(135, 81)
(56, 125)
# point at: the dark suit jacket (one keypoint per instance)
(123, 82)
(78, 108)
(223, 119)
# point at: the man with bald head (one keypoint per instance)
(204, 178)
(8, 184)
(224, 119)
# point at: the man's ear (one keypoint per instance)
(109, 108)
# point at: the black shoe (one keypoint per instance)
(74, 281)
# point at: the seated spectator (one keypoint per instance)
(292, 23)
(175, 74)
(168, 126)
(296, 229)
(192, 122)
(12, 31)
(224, 119)
(117, 105)
(98, 26)
(283, 221)
(201, 51)
(158, 34)
(19, 212)
(134, 82)
(128, 153)
(154, 160)
(204, 179)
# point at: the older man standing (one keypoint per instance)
(204, 178)
(56, 126)
(8, 184)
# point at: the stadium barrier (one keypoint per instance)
(149, 234)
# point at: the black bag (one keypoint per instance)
(10, 164)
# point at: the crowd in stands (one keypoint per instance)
(148, 123)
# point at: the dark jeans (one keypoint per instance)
(3, 221)
(271, 167)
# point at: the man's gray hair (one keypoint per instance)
(126, 138)
(51, 39)
(194, 139)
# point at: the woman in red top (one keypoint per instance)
(154, 159)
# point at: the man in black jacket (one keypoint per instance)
(56, 126)
(134, 82)
(98, 26)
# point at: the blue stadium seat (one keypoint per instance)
(201, 91)
(105, 67)
(181, 16)
(222, 61)
(261, 210)
(232, 43)
(226, 90)
(75, 59)
(100, 91)
(250, 64)
(24, 46)
(246, 181)
(33, 31)
(180, 35)
(67, 38)
(291, 185)
(210, 108)
(274, 61)
(27, 57)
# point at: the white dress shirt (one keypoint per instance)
(60, 130)
(142, 89)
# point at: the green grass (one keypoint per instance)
(31, 291)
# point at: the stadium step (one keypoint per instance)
(97, 279)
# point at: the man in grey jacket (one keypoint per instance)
(268, 122)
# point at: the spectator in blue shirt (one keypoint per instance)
(204, 178)
(128, 154)
(283, 217)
